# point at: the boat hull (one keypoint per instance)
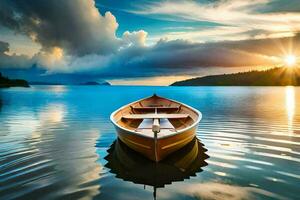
(156, 150)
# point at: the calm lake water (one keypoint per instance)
(57, 142)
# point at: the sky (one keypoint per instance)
(144, 42)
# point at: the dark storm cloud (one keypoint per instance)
(73, 25)
(182, 55)
(3, 47)
(279, 6)
(268, 46)
(11, 61)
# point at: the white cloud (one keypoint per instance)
(137, 38)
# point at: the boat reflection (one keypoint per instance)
(131, 166)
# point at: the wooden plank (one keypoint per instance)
(155, 116)
(152, 108)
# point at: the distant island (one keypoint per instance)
(6, 82)
(44, 83)
(278, 76)
(96, 83)
(104, 83)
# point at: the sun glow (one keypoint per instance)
(290, 60)
(57, 53)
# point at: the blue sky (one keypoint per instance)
(155, 25)
(144, 42)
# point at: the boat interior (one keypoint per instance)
(155, 114)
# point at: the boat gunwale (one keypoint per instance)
(166, 136)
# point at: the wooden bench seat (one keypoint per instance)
(155, 116)
(153, 108)
(165, 128)
(147, 124)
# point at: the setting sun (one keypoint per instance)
(290, 60)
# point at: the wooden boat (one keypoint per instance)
(156, 126)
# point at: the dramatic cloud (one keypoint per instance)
(185, 57)
(75, 26)
(11, 61)
(169, 57)
(73, 34)
(75, 38)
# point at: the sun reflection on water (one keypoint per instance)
(53, 113)
(58, 88)
(290, 106)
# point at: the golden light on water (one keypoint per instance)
(290, 106)
(58, 88)
(290, 101)
(52, 114)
